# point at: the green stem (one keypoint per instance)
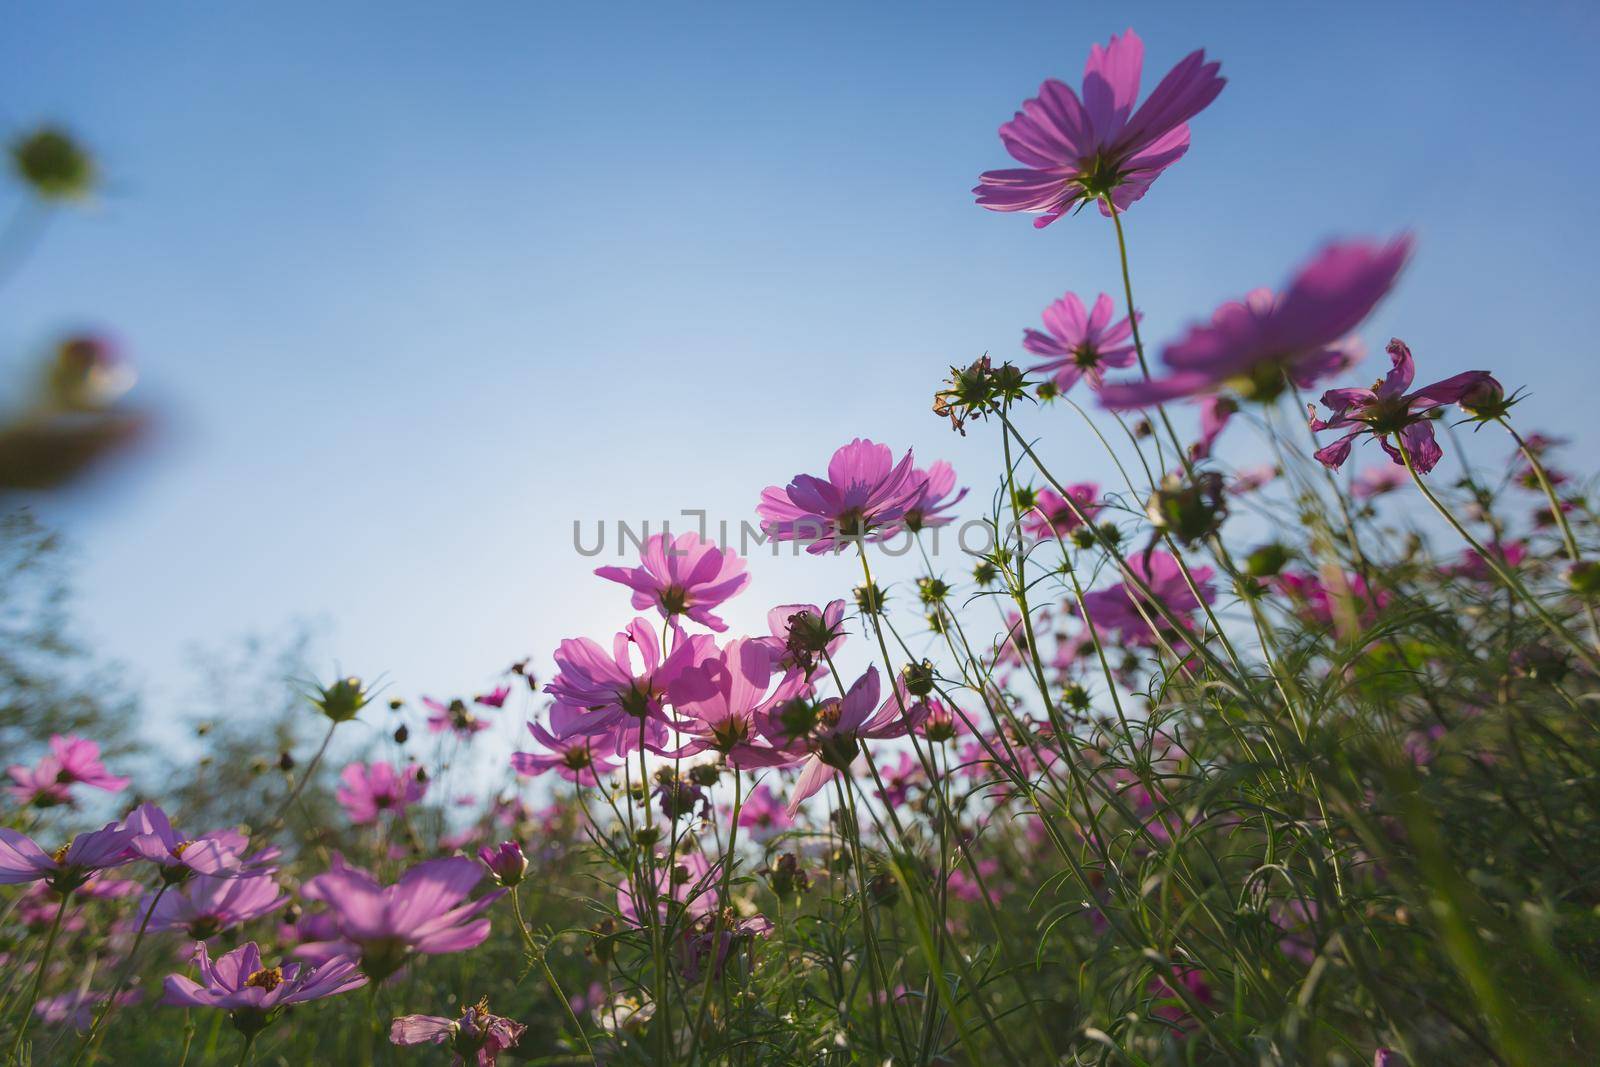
(38, 978)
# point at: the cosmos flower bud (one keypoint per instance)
(342, 700)
(1188, 509)
(1266, 561)
(932, 590)
(918, 678)
(985, 573)
(1584, 577)
(1485, 399)
(787, 877)
(53, 165)
(1076, 697)
(505, 861)
(870, 598)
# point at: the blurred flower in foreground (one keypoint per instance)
(478, 1033)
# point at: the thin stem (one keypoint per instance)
(122, 978)
(38, 978)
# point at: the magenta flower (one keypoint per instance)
(801, 633)
(455, 717)
(253, 994)
(580, 759)
(842, 723)
(931, 508)
(1052, 516)
(1386, 410)
(495, 698)
(1215, 413)
(1333, 597)
(477, 1034)
(204, 906)
(1080, 344)
(683, 576)
(67, 867)
(1254, 346)
(426, 912)
(505, 861)
(688, 885)
(1376, 481)
(1074, 150)
(595, 692)
(368, 789)
(218, 853)
(723, 700)
(763, 814)
(1119, 607)
(77, 1008)
(864, 498)
(72, 760)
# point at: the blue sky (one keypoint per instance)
(413, 286)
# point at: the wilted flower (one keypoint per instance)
(476, 1034)
(1073, 149)
(683, 576)
(1386, 410)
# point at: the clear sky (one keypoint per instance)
(415, 285)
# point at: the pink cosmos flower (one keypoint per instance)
(1376, 481)
(204, 906)
(1118, 607)
(455, 717)
(930, 508)
(1386, 410)
(1052, 516)
(595, 692)
(843, 723)
(1215, 414)
(368, 789)
(252, 993)
(476, 1034)
(1252, 346)
(218, 853)
(683, 576)
(762, 814)
(864, 498)
(505, 861)
(69, 866)
(803, 632)
(495, 698)
(722, 701)
(77, 1008)
(1074, 150)
(1251, 479)
(72, 760)
(580, 759)
(1473, 567)
(1333, 597)
(688, 885)
(1170, 1007)
(1080, 344)
(426, 912)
